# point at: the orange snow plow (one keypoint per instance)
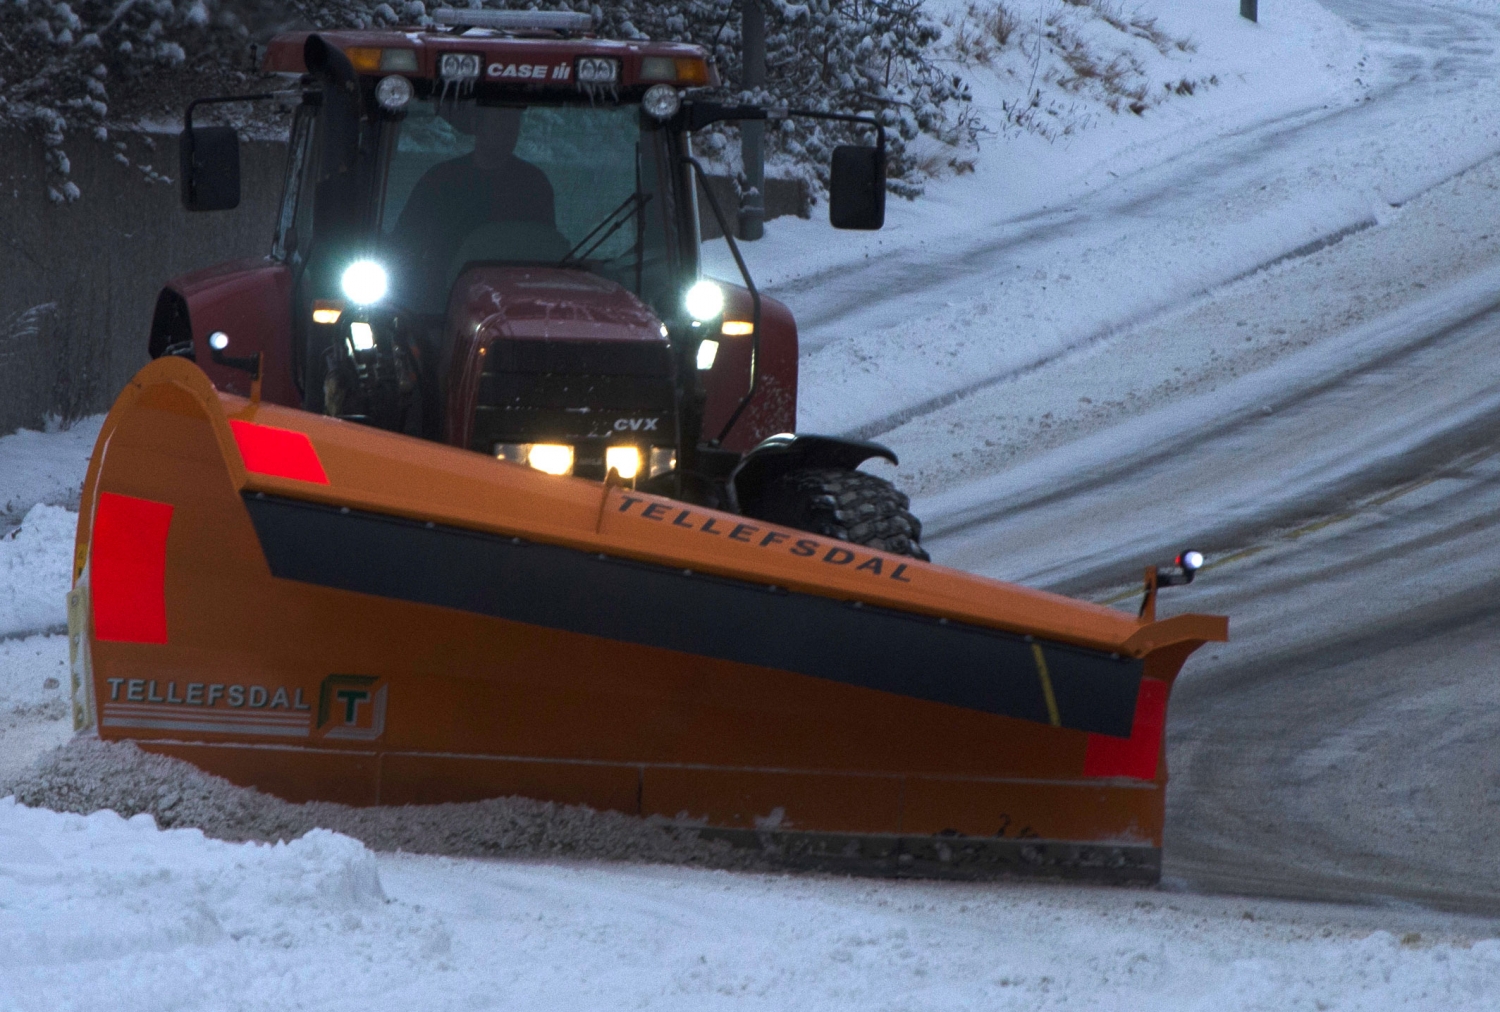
(327, 611)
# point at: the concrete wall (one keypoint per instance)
(80, 280)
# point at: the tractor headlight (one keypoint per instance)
(364, 282)
(707, 352)
(704, 301)
(550, 458)
(623, 460)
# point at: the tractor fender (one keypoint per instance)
(775, 456)
(249, 300)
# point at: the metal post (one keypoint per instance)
(753, 132)
(1248, 10)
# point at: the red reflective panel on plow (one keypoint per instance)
(128, 569)
(280, 453)
(1138, 755)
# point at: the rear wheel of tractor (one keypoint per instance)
(837, 503)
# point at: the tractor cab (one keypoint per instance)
(489, 237)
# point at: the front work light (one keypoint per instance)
(661, 101)
(393, 93)
(704, 301)
(364, 282)
(623, 460)
(1190, 560)
(362, 336)
(707, 352)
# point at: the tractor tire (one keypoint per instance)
(852, 506)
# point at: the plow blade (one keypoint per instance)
(327, 611)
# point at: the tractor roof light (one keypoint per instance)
(598, 70)
(516, 21)
(686, 71)
(460, 66)
(368, 60)
(1191, 560)
(364, 282)
(393, 93)
(704, 301)
(661, 101)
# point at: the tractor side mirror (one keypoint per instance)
(208, 159)
(856, 188)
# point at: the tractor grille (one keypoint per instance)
(571, 391)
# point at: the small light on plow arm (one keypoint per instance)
(218, 340)
(1179, 574)
(704, 301)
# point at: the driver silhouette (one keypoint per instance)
(453, 198)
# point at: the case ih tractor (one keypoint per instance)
(489, 237)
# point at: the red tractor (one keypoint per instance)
(489, 237)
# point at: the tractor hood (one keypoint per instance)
(547, 304)
(545, 342)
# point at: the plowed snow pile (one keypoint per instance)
(88, 775)
(104, 912)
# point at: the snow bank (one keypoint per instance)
(36, 571)
(44, 467)
(88, 775)
(34, 677)
(105, 912)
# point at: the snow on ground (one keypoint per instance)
(44, 467)
(1317, 133)
(100, 911)
(36, 571)
(1045, 251)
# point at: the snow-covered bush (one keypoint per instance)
(1067, 62)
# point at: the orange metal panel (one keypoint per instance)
(364, 696)
(345, 778)
(416, 779)
(769, 799)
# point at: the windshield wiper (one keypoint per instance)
(614, 221)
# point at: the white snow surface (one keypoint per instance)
(1077, 262)
(44, 467)
(102, 912)
(36, 571)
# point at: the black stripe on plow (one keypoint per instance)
(734, 620)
